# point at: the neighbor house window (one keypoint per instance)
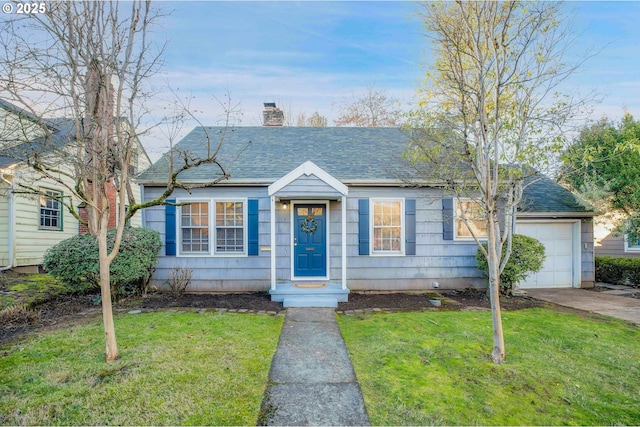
(50, 210)
(632, 240)
(387, 226)
(194, 227)
(475, 217)
(230, 233)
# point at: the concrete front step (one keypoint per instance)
(310, 301)
(300, 296)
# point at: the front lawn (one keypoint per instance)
(433, 367)
(175, 369)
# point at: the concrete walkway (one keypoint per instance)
(312, 381)
(606, 303)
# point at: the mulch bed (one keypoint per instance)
(73, 309)
(253, 301)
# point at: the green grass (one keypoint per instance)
(175, 369)
(561, 369)
(30, 289)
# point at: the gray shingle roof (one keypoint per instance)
(351, 155)
(546, 195)
(268, 153)
(62, 135)
(62, 132)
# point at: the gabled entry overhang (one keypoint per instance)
(308, 182)
(332, 188)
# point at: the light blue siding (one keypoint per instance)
(307, 186)
(451, 263)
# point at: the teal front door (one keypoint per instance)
(310, 241)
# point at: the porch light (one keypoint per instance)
(285, 204)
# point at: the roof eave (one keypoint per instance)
(556, 214)
(261, 182)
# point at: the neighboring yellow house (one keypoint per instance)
(30, 224)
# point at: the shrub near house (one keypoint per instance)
(76, 262)
(527, 256)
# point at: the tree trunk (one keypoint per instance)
(498, 353)
(493, 259)
(105, 290)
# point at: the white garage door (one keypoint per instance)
(558, 240)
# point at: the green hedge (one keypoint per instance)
(618, 271)
(75, 261)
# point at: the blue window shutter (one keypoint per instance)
(447, 219)
(363, 226)
(170, 228)
(252, 228)
(410, 226)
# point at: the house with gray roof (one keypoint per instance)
(32, 223)
(310, 214)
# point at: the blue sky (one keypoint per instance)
(308, 56)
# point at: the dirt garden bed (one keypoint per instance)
(72, 309)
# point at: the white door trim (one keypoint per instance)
(327, 237)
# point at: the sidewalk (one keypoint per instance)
(605, 303)
(312, 381)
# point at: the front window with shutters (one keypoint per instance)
(230, 230)
(213, 227)
(194, 228)
(475, 222)
(387, 226)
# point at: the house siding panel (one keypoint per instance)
(451, 263)
(4, 224)
(218, 273)
(435, 259)
(31, 243)
(613, 246)
(308, 186)
(588, 275)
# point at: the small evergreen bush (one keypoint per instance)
(76, 262)
(527, 256)
(618, 271)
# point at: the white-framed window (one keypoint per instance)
(194, 228)
(632, 241)
(387, 226)
(50, 210)
(230, 227)
(213, 227)
(475, 217)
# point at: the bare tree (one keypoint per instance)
(372, 108)
(491, 116)
(315, 120)
(91, 66)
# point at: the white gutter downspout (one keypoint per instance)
(10, 225)
(143, 216)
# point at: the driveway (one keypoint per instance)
(606, 302)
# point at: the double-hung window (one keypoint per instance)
(230, 223)
(225, 234)
(475, 220)
(387, 226)
(194, 228)
(50, 210)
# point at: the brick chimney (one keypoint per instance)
(272, 115)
